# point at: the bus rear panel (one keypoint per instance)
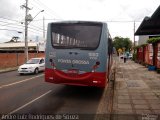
(77, 53)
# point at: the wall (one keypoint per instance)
(143, 39)
(8, 60)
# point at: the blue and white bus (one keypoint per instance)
(78, 53)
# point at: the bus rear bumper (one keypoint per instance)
(98, 79)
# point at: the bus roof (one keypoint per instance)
(90, 22)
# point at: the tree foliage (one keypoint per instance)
(153, 40)
(13, 39)
(122, 43)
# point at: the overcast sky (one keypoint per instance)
(119, 14)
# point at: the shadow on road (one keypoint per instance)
(78, 92)
(67, 99)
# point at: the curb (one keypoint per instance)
(8, 69)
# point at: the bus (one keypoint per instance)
(78, 53)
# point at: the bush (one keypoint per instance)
(134, 57)
(158, 70)
(153, 40)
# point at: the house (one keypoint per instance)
(17, 46)
(151, 26)
(143, 39)
(20, 46)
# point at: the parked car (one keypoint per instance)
(33, 65)
(130, 56)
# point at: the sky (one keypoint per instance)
(118, 14)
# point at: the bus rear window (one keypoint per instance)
(76, 35)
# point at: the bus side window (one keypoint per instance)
(110, 47)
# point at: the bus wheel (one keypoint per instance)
(36, 71)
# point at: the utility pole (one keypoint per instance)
(43, 28)
(28, 19)
(26, 32)
(134, 36)
(26, 28)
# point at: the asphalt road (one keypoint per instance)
(29, 94)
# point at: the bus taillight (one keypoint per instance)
(97, 63)
(52, 63)
(96, 66)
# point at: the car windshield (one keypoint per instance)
(33, 61)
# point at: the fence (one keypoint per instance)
(8, 60)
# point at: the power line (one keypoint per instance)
(9, 19)
(16, 26)
(44, 6)
(9, 30)
(21, 29)
(62, 19)
(19, 25)
(38, 27)
(40, 7)
(35, 6)
(8, 23)
(47, 19)
(122, 21)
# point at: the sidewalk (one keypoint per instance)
(137, 91)
(8, 69)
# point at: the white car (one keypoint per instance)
(130, 56)
(33, 65)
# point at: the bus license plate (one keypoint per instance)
(73, 71)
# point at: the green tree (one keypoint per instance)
(14, 39)
(121, 43)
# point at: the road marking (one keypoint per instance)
(30, 102)
(19, 81)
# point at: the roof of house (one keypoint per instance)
(17, 45)
(150, 25)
